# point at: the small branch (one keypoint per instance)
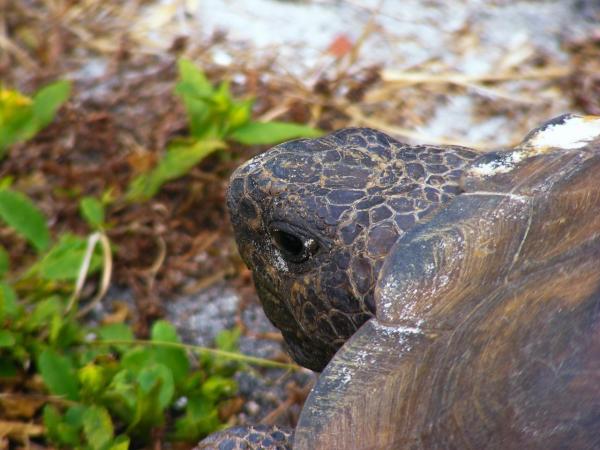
(206, 282)
(93, 240)
(107, 268)
(21, 56)
(414, 77)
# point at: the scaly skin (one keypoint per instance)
(263, 437)
(314, 220)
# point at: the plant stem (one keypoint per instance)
(198, 349)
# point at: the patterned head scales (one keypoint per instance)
(315, 219)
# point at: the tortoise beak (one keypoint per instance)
(304, 349)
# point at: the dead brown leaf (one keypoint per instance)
(15, 405)
(19, 430)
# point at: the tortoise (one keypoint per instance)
(450, 299)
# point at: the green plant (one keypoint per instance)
(132, 388)
(214, 117)
(22, 117)
(106, 388)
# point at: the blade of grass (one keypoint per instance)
(202, 350)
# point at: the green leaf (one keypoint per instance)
(58, 429)
(149, 409)
(221, 98)
(92, 378)
(92, 211)
(52, 418)
(178, 161)
(4, 261)
(8, 369)
(74, 416)
(89, 354)
(120, 443)
(22, 215)
(260, 133)
(136, 358)
(16, 118)
(7, 339)
(197, 108)
(216, 387)
(64, 259)
(117, 331)
(157, 375)
(58, 374)
(121, 395)
(195, 91)
(48, 100)
(56, 324)
(21, 117)
(43, 313)
(164, 331)
(193, 77)
(227, 340)
(174, 358)
(201, 418)
(97, 427)
(8, 302)
(6, 181)
(240, 113)
(69, 333)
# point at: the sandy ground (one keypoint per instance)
(471, 37)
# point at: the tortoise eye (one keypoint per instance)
(288, 243)
(293, 247)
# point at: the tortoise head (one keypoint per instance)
(314, 220)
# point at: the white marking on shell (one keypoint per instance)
(521, 198)
(574, 132)
(345, 375)
(347, 371)
(398, 330)
(358, 359)
(405, 296)
(503, 165)
(400, 333)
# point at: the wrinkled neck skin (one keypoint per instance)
(315, 219)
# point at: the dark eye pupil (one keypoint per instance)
(288, 242)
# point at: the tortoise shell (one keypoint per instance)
(478, 322)
(487, 332)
